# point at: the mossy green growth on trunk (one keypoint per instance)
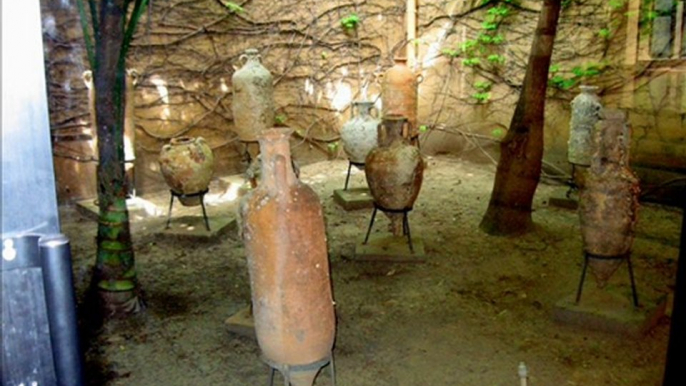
(115, 269)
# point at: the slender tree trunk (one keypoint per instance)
(521, 152)
(115, 273)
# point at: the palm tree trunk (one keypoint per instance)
(115, 273)
(521, 152)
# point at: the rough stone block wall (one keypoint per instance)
(187, 51)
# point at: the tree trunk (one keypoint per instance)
(115, 273)
(521, 151)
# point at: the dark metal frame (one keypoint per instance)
(627, 257)
(285, 370)
(180, 195)
(406, 223)
(350, 166)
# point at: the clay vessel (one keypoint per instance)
(394, 170)
(399, 94)
(253, 104)
(586, 109)
(608, 204)
(187, 165)
(359, 134)
(285, 242)
(585, 114)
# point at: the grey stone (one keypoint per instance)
(353, 198)
(661, 39)
(611, 310)
(664, 5)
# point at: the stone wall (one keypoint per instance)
(186, 51)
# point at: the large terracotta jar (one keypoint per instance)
(187, 165)
(394, 170)
(359, 134)
(585, 114)
(253, 105)
(399, 94)
(285, 242)
(609, 203)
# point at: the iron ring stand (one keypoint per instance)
(180, 195)
(406, 223)
(287, 369)
(350, 165)
(588, 256)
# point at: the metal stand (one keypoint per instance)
(406, 223)
(202, 203)
(350, 165)
(286, 370)
(627, 257)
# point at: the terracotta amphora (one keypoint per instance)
(253, 104)
(187, 164)
(586, 109)
(399, 94)
(394, 170)
(359, 134)
(609, 202)
(285, 240)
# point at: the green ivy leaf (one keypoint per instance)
(482, 97)
(471, 62)
(350, 22)
(495, 58)
(468, 45)
(483, 85)
(489, 26)
(604, 33)
(557, 80)
(592, 72)
(486, 39)
(233, 7)
(280, 119)
(450, 52)
(568, 83)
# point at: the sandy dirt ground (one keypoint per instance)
(468, 316)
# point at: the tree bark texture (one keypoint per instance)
(521, 151)
(115, 273)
